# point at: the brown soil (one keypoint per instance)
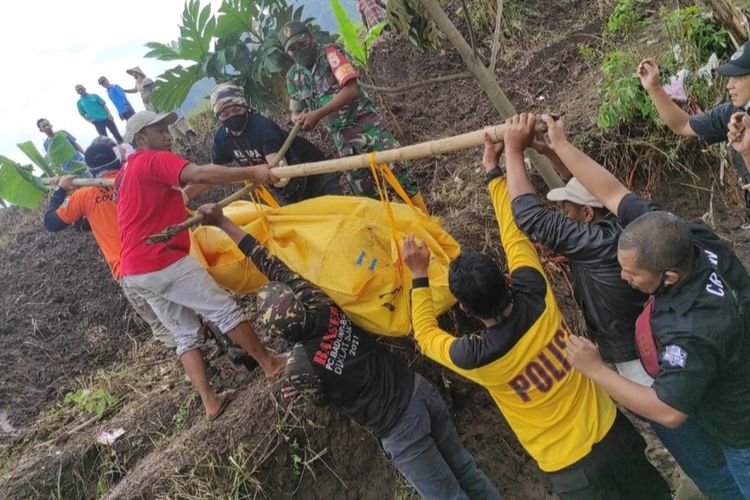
(64, 324)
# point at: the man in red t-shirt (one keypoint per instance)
(93, 208)
(175, 285)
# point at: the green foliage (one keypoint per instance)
(349, 32)
(410, 19)
(247, 51)
(587, 52)
(36, 157)
(624, 98)
(96, 401)
(18, 185)
(626, 19)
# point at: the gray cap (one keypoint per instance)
(576, 193)
(143, 119)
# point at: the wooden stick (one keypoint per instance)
(421, 150)
(171, 231)
(83, 182)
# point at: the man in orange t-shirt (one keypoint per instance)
(93, 209)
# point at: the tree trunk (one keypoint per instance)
(489, 84)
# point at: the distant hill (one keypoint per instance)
(319, 9)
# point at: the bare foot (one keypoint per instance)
(277, 364)
(222, 401)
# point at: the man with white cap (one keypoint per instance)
(711, 125)
(175, 285)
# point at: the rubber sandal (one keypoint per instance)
(228, 396)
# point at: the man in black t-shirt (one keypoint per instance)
(248, 138)
(693, 335)
(335, 362)
(711, 125)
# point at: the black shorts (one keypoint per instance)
(615, 468)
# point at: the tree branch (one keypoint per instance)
(432, 81)
(496, 36)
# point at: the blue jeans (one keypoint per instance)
(738, 460)
(424, 446)
(703, 460)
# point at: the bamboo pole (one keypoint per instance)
(413, 152)
(83, 182)
(171, 231)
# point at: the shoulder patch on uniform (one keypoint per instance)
(674, 356)
(333, 57)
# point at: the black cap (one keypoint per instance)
(739, 63)
(291, 32)
(100, 155)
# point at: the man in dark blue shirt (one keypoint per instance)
(252, 139)
(119, 99)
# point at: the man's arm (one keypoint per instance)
(594, 177)
(81, 111)
(218, 174)
(268, 264)
(584, 356)
(345, 96)
(674, 116)
(57, 217)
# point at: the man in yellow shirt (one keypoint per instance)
(567, 424)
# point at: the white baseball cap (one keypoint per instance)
(575, 193)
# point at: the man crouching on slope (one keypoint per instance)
(175, 285)
(335, 362)
(587, 448)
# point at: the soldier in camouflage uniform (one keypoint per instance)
(334, 362)
(323, 85)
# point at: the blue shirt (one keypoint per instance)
(117, 96)
(72, 140)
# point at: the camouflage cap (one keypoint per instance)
(226, 94)
(291, 32)
(280, 311)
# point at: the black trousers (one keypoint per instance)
(304, 188)
(615, 469)
(103, 125)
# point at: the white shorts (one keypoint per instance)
(177, 292)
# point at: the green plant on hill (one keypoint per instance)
(247, 50)
(96, 401)
(356, 44)
(626, 19)
(624, 100)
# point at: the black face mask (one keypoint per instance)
(236, 123)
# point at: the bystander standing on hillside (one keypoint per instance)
(143, 86)
(119, 99)
(45, 126)
(94, 110)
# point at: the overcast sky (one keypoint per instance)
(50, 46)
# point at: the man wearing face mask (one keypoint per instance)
(323, 85)
(251, 139)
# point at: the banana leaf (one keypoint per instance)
(18, 186)
(35, 156)
(60, 150)
(348, 33)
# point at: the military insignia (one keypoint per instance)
(674, 356)
(333, 60)
(287, 32)
(737, 54)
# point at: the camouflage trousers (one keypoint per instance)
(366, 139)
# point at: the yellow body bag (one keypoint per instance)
(344, 245)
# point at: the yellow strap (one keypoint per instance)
(383, 193)
(266, 196)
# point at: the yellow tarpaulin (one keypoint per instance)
(342, 244)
